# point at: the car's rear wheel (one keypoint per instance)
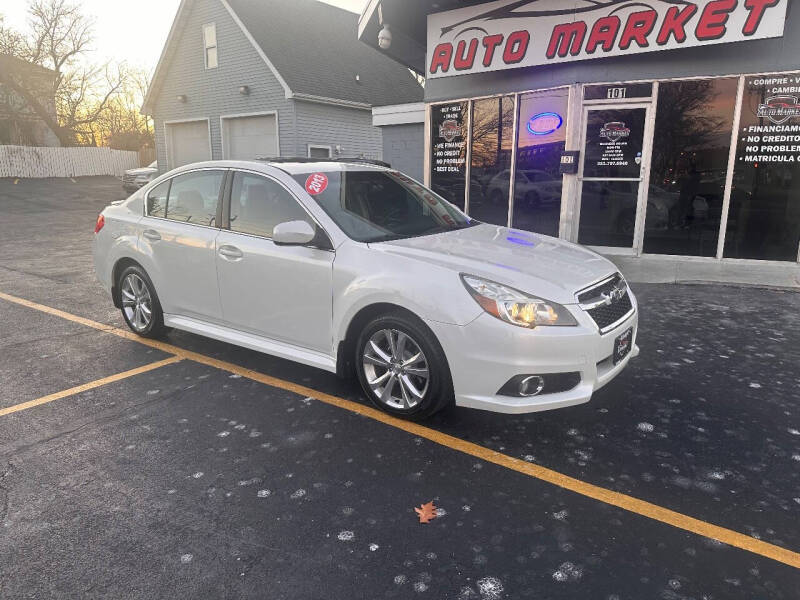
(402, 368)
(140, 306)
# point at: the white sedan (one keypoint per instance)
(353, 267)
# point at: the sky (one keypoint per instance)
(133, 32)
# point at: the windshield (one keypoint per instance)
(377, 206)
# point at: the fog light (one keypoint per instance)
(531, 385)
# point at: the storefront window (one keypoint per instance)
(492, 139)
(449, 151)
(690, 161)
(542, 137)
(764, 216)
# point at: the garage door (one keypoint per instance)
(187, 143)
(245, 138)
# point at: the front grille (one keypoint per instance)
(596, 292)
(128, 178)
(606, 302)
(608, 314)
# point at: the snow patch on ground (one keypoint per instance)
(246, 482)
(490, 588)
(568, 572)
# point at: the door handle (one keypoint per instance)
(151, 235)
(230, 253)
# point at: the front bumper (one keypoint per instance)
(484, 354)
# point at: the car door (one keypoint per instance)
(280, 292)
(178, 235)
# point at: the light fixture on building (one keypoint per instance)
(244, 90)
(358, 78)
(385, 38)
(182, 98)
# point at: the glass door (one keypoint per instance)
(612, 178)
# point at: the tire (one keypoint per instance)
(412, 396)
(137, 296)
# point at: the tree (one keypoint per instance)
(684, 123)
(121, 125)
(59, 37)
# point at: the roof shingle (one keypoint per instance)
(315, 48)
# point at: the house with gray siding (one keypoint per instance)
(238, 79)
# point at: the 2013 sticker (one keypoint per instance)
(316, 183)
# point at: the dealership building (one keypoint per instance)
(660, 132)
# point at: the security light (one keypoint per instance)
(385, 38)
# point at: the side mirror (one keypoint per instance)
(293, 233)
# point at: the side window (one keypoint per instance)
(258, 204)
(193, 197)
(157, 200)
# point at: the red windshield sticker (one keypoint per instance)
(316, 183)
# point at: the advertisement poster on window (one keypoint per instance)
(449, 151)
(614, 143)
(764, 218)
(770, 121)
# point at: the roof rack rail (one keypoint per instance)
(305, 159)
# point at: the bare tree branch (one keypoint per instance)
(59, 38)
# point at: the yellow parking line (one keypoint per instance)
(89, 386)
(610, 497)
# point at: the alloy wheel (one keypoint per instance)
(396, 369)
(137, 303)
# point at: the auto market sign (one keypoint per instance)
(524, 33)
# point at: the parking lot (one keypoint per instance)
(189, 468)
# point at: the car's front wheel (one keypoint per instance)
(402, 368)
(140, 306)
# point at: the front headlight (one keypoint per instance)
(515, 307)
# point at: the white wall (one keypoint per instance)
(41, 162)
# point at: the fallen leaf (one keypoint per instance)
(426, 512)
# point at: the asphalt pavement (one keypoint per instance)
(195, 479)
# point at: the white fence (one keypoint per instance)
(38, 162)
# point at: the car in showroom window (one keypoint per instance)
(357, 268)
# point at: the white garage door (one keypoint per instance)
(245, 138)
(187, 143)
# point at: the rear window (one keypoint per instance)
(374, 206)
(191, 197)
(157, 200)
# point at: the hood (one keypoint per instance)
(536, 264)
(141, 171)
